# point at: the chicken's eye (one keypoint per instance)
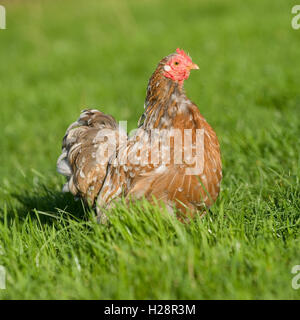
(176, 63)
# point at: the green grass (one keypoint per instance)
(58, 57)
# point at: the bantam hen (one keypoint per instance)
(173, 158)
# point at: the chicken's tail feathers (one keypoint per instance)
(89, 146)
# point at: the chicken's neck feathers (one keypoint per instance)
(163, 100)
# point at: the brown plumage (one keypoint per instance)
(174, 156)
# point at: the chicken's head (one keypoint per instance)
(178, 66)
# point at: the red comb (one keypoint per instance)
(182, 53)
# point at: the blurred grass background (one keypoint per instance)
(59, 57)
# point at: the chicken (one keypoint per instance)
(172, 159)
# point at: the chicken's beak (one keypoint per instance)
(193, 66)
